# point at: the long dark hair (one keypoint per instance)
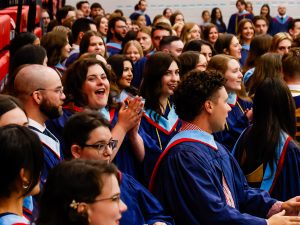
(273, 112)
(213, 17)
(117, 67)
(20, 149)
(156, 67)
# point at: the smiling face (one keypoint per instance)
(264, 11)
(96, 45)
(247, 31)
(194, 33)
(133, 53)
(234, 76)
(213, 35)
(219, 111)
(96, 87)
(234, 48)
(109, 210)
(127, 75)
(170, 80)
(100, 135)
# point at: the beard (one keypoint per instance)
(119, 37)
(50, 110)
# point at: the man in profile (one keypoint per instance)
(196, 179)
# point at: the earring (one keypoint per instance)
(25, 186)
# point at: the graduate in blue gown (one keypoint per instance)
(159, 122)
(87, 136)
(266, 151)
(21, 164)
(87, 88)
(237, 17)
(196, 179)
(238, 117)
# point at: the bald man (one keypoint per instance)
(40, 89)
(280, 23)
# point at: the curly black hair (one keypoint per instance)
(194, 90)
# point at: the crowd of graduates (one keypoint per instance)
(109, 119)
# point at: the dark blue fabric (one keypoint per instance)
(287, 184)
(276, 26)
(234, 21)
(152, 147)
(125, 159)
(143, 207)
(189, 186)
(236, 122)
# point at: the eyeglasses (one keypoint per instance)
(122, 27)
(59, 90)
(112, 144)
(115, 198)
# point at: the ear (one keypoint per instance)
(37, 97)
(112, 30)
(76, 151)
(24, 177)
(208, 106)
(82, 208)
(226, 51)
(80, 35)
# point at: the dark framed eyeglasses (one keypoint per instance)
(112, 144)
(115, 198)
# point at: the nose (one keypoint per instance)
(62, 96)
(108, 151)
(228, 108)
(122, 206)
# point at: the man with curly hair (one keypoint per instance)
(196, 179)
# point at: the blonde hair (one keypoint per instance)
(277, 38)
(185, 31)
(136, 44)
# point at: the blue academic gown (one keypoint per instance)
(125, 159)
(156, 135)
(244, 52)
(187, 180)
(277, 25)
(113, 48)
(235, 19)
(236, 121)
(13, 219)
(283, 181)
(143, 207)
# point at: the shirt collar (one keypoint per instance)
(36, 125)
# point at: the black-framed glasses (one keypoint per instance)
(112, 144)
(115, 198)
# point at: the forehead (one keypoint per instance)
(142, 34)
(95, 39)
(233, 64)
(260, 21)
(177, 44)
(127, 63)
(120, 23)
(161, 33)
(205, 48)
(285, 42)
(95, 70)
